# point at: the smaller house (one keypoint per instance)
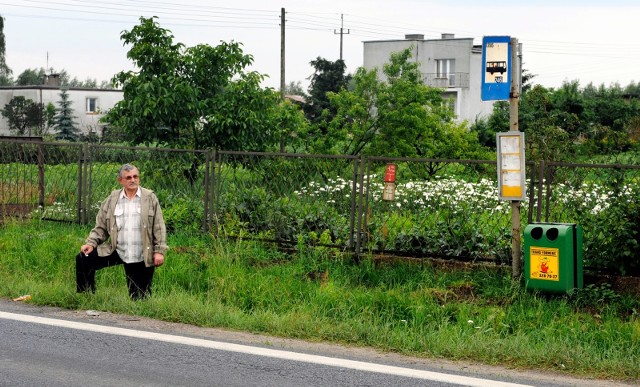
(89, 105)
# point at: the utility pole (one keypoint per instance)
(282, 81)
(342, 33)
(514, 96)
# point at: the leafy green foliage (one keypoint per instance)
(568, 121)
(49, 113)
(38, 76)
(289, 124)
(5, 71)
(606, 203)
(179, 214)
(486, 129)
(328, 77)
(197, 97)
(31, 77)
(295, 88)
(25, 116)
(399, 117)
(593, 294)
(614, 245)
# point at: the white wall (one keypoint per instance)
(376, 54)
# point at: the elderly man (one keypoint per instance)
(129, 231)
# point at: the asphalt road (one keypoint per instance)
(42, 346)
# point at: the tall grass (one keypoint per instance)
(431, 310)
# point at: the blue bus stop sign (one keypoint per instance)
(496, 68)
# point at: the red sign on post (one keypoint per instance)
(390, 173)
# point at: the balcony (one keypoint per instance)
(447, 81)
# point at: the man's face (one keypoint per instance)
(130, 180)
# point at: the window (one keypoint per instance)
(92, 105)
(451, 102)
(452, 105)
(446, 68)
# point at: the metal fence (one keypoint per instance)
(440, 208)
(68, 182)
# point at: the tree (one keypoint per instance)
(38, 76)
(197, 97)
(66, 128)
(5, 71)
(24, 116)
(290, 124)
(400, 117)
(527, 80)
(89, 83)
(498, 121)
(48, 116)
(328, 77)
(295, 88)
(568, 108)
(30, 77)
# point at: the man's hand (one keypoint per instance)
(158, 259)
(86, 249)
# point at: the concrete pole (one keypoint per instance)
(514, 95)
(342, 33)
(282, 79)
(282, 61)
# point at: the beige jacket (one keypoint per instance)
(154, 233)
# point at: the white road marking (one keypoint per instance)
(274, 353)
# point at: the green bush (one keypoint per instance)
(613, 244)
(183, 214)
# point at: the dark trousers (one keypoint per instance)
(139, 276)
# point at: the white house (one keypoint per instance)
(88, 105)
(451, 63)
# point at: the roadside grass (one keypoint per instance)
(458, 312)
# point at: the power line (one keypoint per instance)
(359, 26)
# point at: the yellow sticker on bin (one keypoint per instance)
(544, 264)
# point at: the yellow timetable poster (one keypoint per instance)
(544, 264)
(511, 165)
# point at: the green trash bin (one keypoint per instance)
(553, 257)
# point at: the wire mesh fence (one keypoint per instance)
(288, 198)
(179, 178)
(605, 200)
(38, 178)
(439, 208)
(68, 182)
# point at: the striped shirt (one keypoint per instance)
(129, 243)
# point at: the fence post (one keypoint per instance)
(82, 181)
(41, 175)
(215, 190)
(359, 230)
(209, 190)
(532, 195)
(205, 216)
(540, 190)
(549, 171)
(514, 95)
(354, 198)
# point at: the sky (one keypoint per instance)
(563, 40)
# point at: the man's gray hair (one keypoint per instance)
(126, 168)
